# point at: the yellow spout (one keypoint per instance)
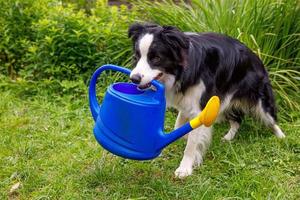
(208, 114)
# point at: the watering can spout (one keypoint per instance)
(206, 118)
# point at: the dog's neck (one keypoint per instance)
(187, 102)
(172, 89)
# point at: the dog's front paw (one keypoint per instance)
(183, 171)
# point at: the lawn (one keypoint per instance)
(47, 146)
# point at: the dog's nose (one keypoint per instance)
(136, 78)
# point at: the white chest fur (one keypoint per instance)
(187, 103)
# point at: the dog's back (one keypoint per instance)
(229, 69)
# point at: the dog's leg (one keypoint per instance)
(277, 131)
(181, 119)
(235, 117)
(198, 141)
(269, 120)
(234, 127)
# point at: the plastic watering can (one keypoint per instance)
(130, 122)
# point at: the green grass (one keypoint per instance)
(47, 145)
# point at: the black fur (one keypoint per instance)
(224, 65)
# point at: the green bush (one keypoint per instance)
(70, 43)
(16, 18)
(65, 43)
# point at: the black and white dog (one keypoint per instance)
(195, 66)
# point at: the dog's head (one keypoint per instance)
(158, 51)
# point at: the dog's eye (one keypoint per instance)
(155, 59)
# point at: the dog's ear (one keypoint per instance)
(178, 42)
(135, 30)
(175, 37)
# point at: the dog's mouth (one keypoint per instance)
(148, 85)
(145, 86)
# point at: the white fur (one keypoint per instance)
(190, 33)
(234, 127)
(225, 104)
(187, 103)
(269, 121)
(197, 144)
(277, 131)
(181, 119)
(168, 81)
(143, 67)
(199, 139)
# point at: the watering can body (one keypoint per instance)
(129, 122)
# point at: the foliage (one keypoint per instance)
(16, 18)
(86, 5)
(64, 42)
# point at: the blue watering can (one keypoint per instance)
(130, 122)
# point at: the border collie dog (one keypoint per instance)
(194, 67)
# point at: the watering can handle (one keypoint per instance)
(94, 105)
